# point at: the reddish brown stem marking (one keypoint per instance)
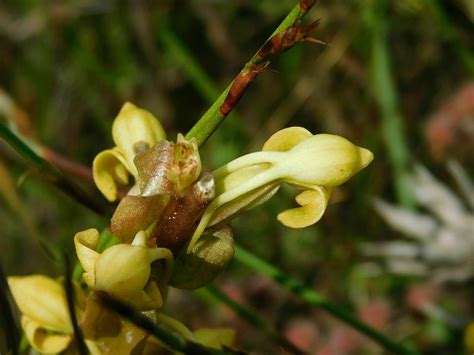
(286, 39)
(240, 86)
(68, 166)
(305, 5)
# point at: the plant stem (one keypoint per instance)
(173, 340)
(30, 152)
(286, 35)
(315, 299)
(251, 317)
(70, 297)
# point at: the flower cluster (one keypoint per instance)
(171, 227)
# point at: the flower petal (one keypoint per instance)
(286, 139)
(324, 159)
(108, 168)
(124, 271)
(313, 204)
(42, 340)
(43, 300)
(86, 243)
(134, 131)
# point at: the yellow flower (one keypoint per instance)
(123, 270)
(315, 163)
(134, 131)
(45, 316)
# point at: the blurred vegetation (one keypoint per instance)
(389, 66)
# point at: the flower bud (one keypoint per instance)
(324, 160)
(209, 257)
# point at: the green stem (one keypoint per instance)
(384, 91)
(315, 299)
(30, 152)
(212, 118)
(213, 293)
(172, 340)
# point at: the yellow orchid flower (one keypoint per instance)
(45, 316)
(123, 270)
(134, 131)
(316, 163)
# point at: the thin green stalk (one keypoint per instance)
(173, 340)
(30, 153)
(70, 297)
(384, 91)
(315, 299)
(213, 293)
(213, 117)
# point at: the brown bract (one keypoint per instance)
(165, 171)
(176, 223)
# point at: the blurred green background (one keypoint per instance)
(392, 71)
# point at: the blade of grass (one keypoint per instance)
(317, 300)
(385, 95)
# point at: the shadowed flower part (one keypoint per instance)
(209, 257)
(294, 156)
(123, 270)
(45, 316)
(165, 170)
(134, 131)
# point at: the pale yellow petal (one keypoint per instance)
(134, 131)
(215, 338)
(122, 269)
(324, 159)
(43, 300)
(108, 168)
(86, 243)
(286, 139)
(42, 340)
(313, 204)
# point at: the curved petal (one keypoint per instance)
(286, 139)
(86, 243)
(108, 168)
(124, 271)
(42, 340)
(43, 300)
(313, 204)
(134, 131)
(324, 160)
